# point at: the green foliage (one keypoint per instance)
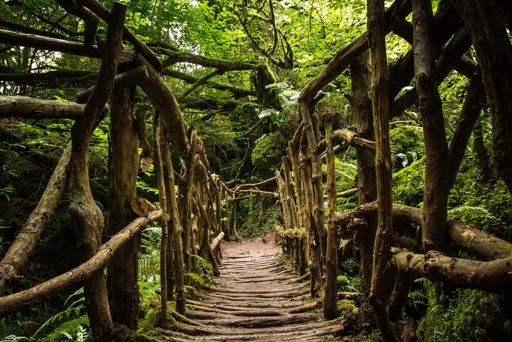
(149, 253)
(256, 216)
(204, 268)
(471, 315)
(72, 320)
(407, 145)
(268, 150)
(408, 184)
(480, 218)
(73, 330)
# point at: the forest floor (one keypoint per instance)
(256, 298)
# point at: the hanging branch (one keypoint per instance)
(200, 82)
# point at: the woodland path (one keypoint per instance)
(254, 299)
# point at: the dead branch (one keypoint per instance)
(21, 248)
(41, 292)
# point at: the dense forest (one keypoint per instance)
(148, 148)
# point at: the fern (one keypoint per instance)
(74, 305)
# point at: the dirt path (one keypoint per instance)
(254, 299)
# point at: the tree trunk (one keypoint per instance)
(382, 280)
(435, 199)
(366, 182)
(122, 192)
(486, 22)
(85, 213)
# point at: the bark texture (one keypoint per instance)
(435, 197)
(122, 193)
(381, 275)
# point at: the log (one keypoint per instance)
(469, 238)
(492, 276)
(19, 251)
(28, 107)
(49, 79)
(260, 192)
(268, 181)
(41, 292)
(215, 242)
(48, 43)
(261, 322)
(347, 295)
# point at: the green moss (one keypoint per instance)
(268, 150)
(152, 318)
(347, 307)
(406, 143)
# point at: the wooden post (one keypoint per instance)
(179, 264)
(330, 286)
(435, 198)
(122, 192)
(186, 204)
(85, 213)
(381, 278)
(162, 195)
